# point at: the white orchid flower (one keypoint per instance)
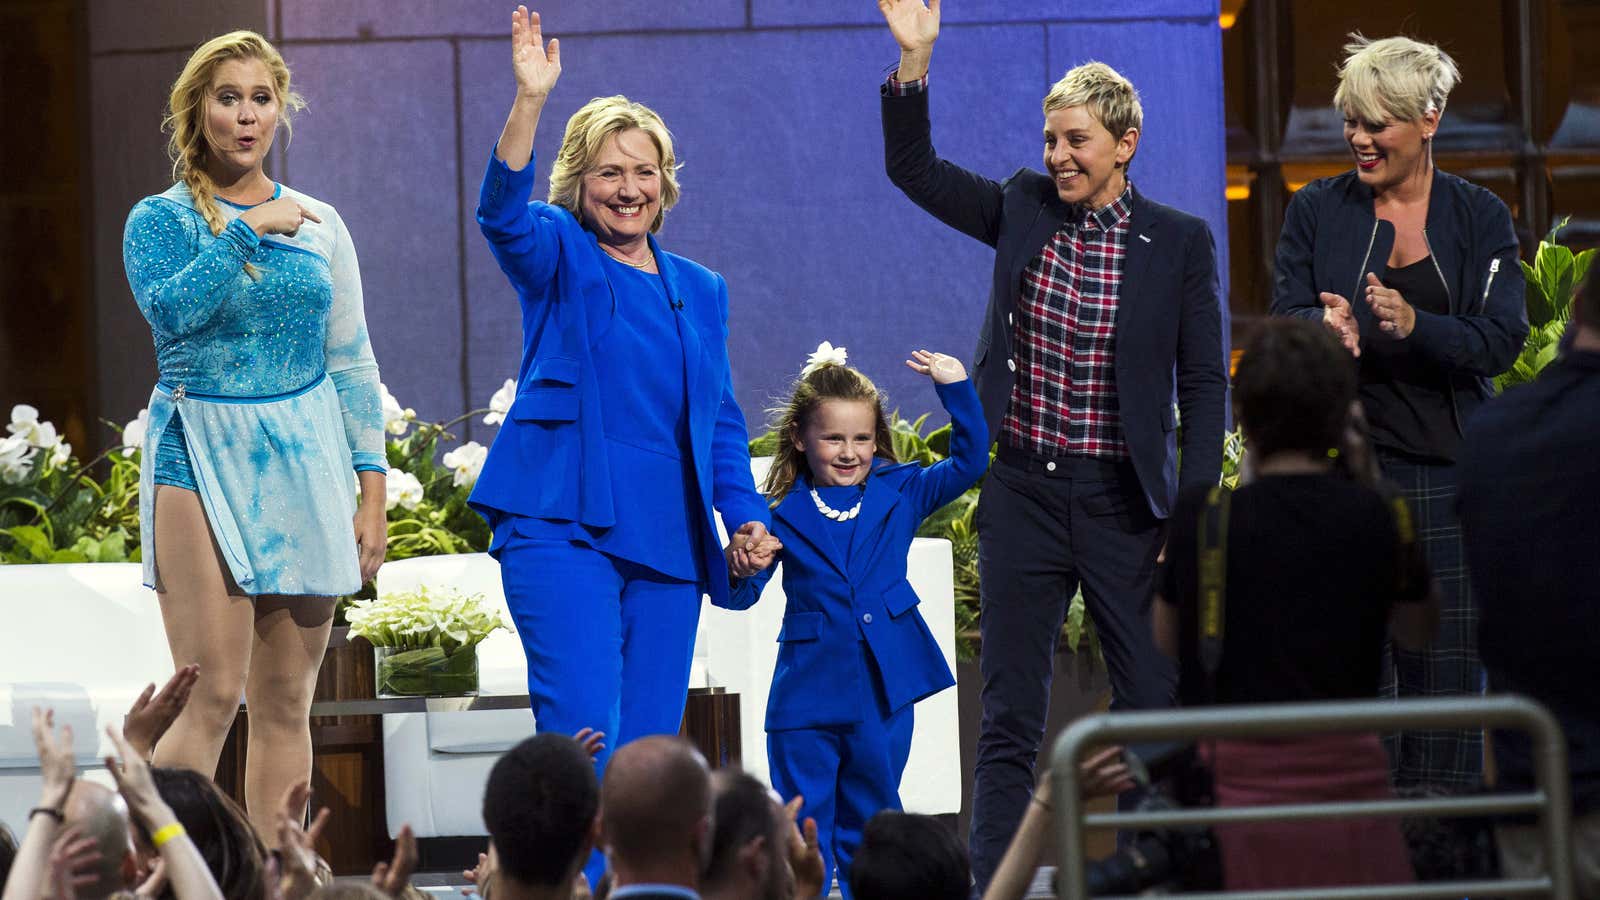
(133, 433)
(26, 425)
(467, 461)
(500, 403)
(404, 490)
(396, 419)
(16, 459)
(825, 355)
(60, 454)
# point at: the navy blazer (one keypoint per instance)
(1169, 305)
(1332, 238)
(549, 459)
(833, 604)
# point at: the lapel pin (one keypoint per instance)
(1143, 238)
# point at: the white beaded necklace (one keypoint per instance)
(836, 514)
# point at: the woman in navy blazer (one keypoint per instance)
(624, 433)
(854, 653)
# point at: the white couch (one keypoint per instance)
(85, 639)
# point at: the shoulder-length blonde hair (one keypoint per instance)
(1394, 78)
(828, 382)
(586, 133)
(186, 112)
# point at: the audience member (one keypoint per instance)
(540, 805)
(1530, 490)
(1105, 774)
(219, 828)
(656, 819)
(757, 852)
(904, 856)
(1304, 570)
(8, 853)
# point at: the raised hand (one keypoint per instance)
(72, 862)
(591, 741)
(296, 845)
(1338, 317)
(805, 856)
(56, 765)
(1104, 774)
(394, 876)
(154, 712)
(915, 27)
(942, 369)
(284, 215)
(537, 67)
(478, 878)
(1395, 316)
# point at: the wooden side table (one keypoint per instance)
(347, 747)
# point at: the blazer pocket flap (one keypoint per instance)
(558, 403)
(900, 598)
(800, 626)
(554, 370)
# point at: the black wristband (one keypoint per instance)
(50, 811)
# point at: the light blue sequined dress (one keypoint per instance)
(272, 382)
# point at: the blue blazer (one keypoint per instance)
(1169, 327)
(833, 604)
(549, 459)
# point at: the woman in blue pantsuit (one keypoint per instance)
(624, 432)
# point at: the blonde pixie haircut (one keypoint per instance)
(1111, 99)
(1393, 79)
(587, 131)
(186, 107)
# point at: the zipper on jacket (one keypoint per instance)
(1361, 276)
(1450, 382)
(1494, 266)
(1429, 244)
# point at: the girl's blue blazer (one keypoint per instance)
(836, 599)
(549, 459)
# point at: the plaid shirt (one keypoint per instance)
(1065, 397)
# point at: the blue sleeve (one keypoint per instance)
(744, 593)
(1486, 339)
(949, 478)
(733, 488)
(526, 247)
(349, 359)
(178, 289)
(1294, 291)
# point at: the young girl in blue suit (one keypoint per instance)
(855, 653)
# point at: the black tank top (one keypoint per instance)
(1407, 398)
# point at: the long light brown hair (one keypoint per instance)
(828, 382)
(186, 112)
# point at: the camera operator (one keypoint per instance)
(1315, 567)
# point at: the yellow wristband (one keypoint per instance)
(166, 834)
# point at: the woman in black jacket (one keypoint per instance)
(1416, 272)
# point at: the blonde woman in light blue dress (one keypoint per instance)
(267, 401)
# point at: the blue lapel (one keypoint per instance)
(798, 510)
(691, 340)
(881, 497)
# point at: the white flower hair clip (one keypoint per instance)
(825, 355)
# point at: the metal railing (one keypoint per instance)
(1550, 796)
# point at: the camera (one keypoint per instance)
(1186, 858)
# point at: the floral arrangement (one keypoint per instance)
(422, 619)
(54, 509)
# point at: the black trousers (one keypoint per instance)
(1047, 526)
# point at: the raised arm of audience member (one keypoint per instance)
(186, 870)
(1102, 775)
(56, 770)
(155, 711)
(297, 854)
(71, 855)
(805, 854)
(394, 877)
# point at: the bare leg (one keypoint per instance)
(291, 635)
(205, 624)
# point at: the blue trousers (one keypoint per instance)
(609, 643)
(846, 773)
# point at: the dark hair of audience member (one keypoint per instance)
(743, 813)
(539, 804)
(1293, 388)
(8, 853)
(220, 830)
(909, 857)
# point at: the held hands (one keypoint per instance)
(915, 27)
(1395, 316)
(1338, 318)
(537, 67)
(281, 216)
(805, 857)
(942, 369)
(751, 549)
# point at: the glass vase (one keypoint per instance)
(426, 672)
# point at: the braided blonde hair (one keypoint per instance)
(185, 118)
